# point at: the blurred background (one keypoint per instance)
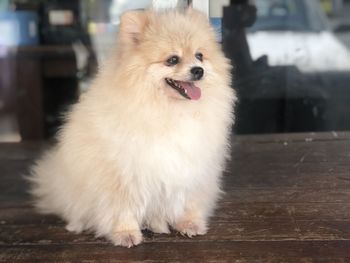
(291, 60)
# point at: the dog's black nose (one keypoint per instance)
(197, 73)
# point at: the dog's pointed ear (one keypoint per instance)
(132, 24)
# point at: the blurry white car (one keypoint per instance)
(296, 32)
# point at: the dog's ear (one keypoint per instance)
(132, 24)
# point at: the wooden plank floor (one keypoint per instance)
(287, 200)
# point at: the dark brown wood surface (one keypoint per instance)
(287, 200)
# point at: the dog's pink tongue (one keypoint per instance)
(192, 91)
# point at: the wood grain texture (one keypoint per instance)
(287, 200)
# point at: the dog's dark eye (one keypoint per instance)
(173, 60)
(199, 56)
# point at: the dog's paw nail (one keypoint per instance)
(191, 228)
(127, 238)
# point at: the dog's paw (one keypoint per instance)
(127, 238)
(158, 226)
(191, 228)
(164, 229)
(75, 227)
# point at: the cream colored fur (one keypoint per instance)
(134, 153)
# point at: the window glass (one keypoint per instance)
(291, 60)
(292, 64)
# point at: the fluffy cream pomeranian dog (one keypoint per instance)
(145, 147)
